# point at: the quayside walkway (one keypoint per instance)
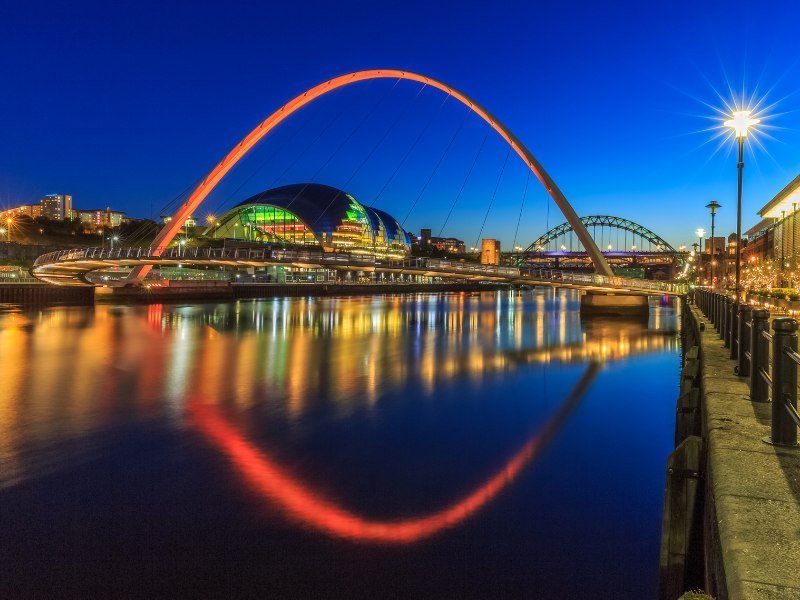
(749, 424)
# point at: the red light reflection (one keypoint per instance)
(271, 481)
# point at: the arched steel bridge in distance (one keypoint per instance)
(656, 243)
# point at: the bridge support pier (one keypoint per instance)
(616, 305)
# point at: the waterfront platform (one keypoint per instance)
(752, 503)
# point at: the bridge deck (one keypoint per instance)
(70, 267)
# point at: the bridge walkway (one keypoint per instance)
(69, 267)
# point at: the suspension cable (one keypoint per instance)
(338, 148)
(494, 195)
(522, 206)
(391, 127)
(329, 123)
(464, 183)
(411, 149)
(436, 167)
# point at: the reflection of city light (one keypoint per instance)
(247, 354)
(272, 481)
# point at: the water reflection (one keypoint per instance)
(68, 371)
(269, 479)
(288, 434)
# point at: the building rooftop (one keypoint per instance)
(783, 201)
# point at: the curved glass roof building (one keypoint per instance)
(312, 214)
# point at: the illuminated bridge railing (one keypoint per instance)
(350, 260)
(555, 275)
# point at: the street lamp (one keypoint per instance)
(211, 219)
(713, 206)
(740, 122)
(700, 233)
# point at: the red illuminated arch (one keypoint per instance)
(211, 180)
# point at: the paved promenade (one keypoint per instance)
(753, 488)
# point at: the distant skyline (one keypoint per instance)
(127, 105)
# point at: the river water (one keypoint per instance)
(486, 445)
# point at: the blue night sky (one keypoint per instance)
(128, 104)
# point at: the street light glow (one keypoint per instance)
(741, 122)
(700, 232)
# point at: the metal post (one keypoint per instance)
(739, 222)
(722, 304)
(715, 309)
(759, 355)
(784, 381)
(734, 330)
(713, 283)
(743, 340)
(727, 324)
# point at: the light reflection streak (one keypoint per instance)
(266, 477)
(67, 372)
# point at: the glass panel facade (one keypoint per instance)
(263, 223)
(354, 233)
(320, 216)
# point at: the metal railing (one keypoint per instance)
(18, 277)
(769, 360)
(344, 259)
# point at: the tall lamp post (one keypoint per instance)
(713, 206)
(700, 233)
(740, 122)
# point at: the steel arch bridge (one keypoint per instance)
(656, 242)
(213, 178)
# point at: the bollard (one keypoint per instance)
(735, 330)
(759, 356)
(712, 313)
(726, 326)
(715, 309)
(743, 340)
(731, 328)
(784, 381)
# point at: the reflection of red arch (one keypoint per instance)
(211, 180)
(270, 480)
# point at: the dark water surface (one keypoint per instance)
(434, 446)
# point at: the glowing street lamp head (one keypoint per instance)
(741, 122)
(713, 206)
(700, 232)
